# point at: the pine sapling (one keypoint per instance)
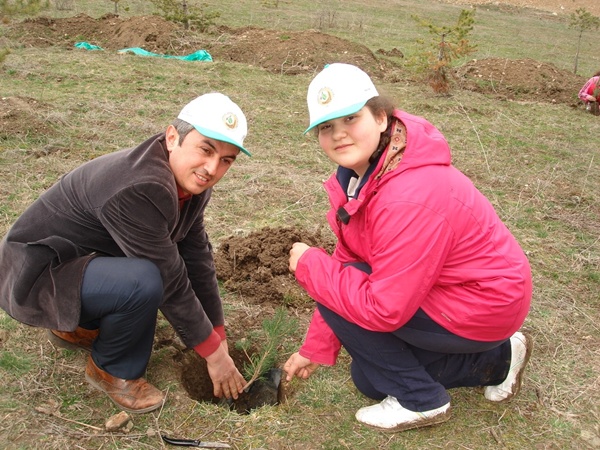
(447, 44)
(273, 332)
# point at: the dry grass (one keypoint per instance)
(538, 163)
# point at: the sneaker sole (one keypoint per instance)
(519, 380)
(440, 418)
(133, 411)
(65, 344)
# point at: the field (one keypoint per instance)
(512, 119)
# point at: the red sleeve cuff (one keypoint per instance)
(209, 345)
(220, 329)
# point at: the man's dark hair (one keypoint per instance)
(183, 128)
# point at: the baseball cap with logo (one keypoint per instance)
(214, 115)
(337, 91)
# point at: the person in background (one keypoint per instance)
(426, 288)
(97, 255)
(590, 93)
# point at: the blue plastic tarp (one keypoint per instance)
(200, 55)
(87, 46)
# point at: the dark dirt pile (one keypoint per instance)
(278, 52)
(23, 116)
(256, 266)
(522, 79)
(293, 53)
(109, 32)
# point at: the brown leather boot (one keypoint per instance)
(80, 339)
(134, 396)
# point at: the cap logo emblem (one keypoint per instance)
(325, 96)
(230, 120)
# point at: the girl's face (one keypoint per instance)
(351, 140)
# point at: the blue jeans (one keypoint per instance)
(121, 296)
(419, 361)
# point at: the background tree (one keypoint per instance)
(116, 3)
(9, 8)
(186, 13)
(446, 45)
(582, 20)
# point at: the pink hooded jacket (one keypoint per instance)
(432, 240)
(589, 88)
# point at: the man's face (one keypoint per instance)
(199, 162)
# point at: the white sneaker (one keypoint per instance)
(521, 346)
(389, 415)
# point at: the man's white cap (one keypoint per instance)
(337, 91)
(215, 116)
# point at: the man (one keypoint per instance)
(96, 256)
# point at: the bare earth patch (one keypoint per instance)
(293, 53)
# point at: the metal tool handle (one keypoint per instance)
(181, 442)
(193, 443)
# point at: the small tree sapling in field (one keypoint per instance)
(582, 20)
(267, 343)
(10, 8)
(187, 13)
(446, 45)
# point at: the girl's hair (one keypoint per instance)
(597, 74)
(377, 106)
(183, 128)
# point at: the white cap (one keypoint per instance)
(337, 91)
(215, 116)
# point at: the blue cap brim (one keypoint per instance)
(220, 137)
(337, 114)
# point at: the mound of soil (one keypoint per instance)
(293, 53)
(109, 32)
(256, 266)
(278, 52)
(521, 79)
(23, 116)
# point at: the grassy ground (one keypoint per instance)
(538, 163)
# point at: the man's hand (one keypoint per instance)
(300, 366)
(227, 381)
(298, 249)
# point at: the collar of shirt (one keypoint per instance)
(182, 196)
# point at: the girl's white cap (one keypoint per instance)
(215, 116)
(337, 91)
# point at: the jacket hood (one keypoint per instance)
(425, 144)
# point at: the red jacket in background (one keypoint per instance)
(588, 89)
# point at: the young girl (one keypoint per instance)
(590, 93)
(426, 288)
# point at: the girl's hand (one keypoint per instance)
(300, 366)
(298, 249)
